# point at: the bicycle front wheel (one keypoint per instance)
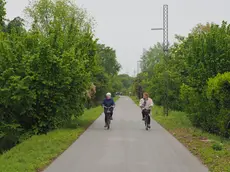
(108, 122)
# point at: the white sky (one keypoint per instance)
(126, 25)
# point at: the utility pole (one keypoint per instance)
(139, 63)
(165, 49)
(134, 73)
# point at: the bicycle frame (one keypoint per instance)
(147, 116)
(108, 111)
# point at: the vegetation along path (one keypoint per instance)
(126, 147)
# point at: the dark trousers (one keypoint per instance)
(146, 113)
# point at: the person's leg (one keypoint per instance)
(105, 120)
(143, 115)
(111, 117)
(149, 119)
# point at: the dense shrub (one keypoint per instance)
(218, 93)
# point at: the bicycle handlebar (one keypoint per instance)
(149, 108)
(108, 107)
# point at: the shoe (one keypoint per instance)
(143, 119)
(105, 125)
(111, 118)
(149, 126)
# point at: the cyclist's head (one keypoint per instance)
(108, 95)
(145, 95)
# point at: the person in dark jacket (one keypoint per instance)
(108, 102)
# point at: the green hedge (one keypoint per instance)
(195, 73)
(46, 71)
(218, 93)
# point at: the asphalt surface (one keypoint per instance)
(126, 147)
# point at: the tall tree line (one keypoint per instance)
(49, 72)
(198, 70)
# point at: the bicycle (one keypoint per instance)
(108, 112)
(147, 118)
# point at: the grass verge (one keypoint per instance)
(212, 150)
(36, 153)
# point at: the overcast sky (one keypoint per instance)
(126, 25)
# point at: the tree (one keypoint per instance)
(152, 57)
(126, 80)
(2, 13)
(16, 25)
(108, 60)
(50, 73)
(208, 55)
(105, 79)
(195, 64)
(46, 72)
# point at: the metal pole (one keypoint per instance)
(165, 49)
(165, 45)
(157, 29)
(139, 63)
(165, 28)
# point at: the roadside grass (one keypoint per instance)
(212, 150)
(36, 153)
(134, 98)
(116, 98)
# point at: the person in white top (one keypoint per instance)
(146, 103)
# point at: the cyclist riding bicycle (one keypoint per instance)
(108, 102)
(145, 104)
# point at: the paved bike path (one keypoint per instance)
(127, 147)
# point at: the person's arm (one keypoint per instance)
(113, 103)
(150, 103)
(141, 103)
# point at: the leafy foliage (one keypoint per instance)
(217, 146)
(197, 80)
(2, 13)
(126, 82)
(48, 72)
(218, 94)
(104, 76)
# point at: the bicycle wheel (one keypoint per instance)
(108, 126)
(146, 123)
(108, 121)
